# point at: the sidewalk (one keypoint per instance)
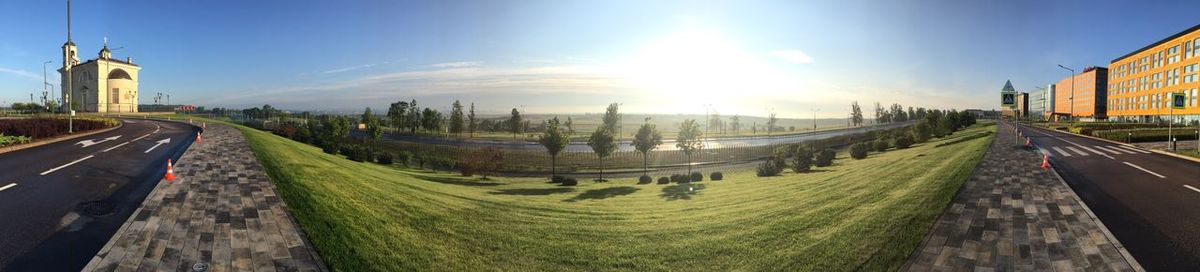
(221, 213)
(1013, 215)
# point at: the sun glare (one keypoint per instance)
(695, 67)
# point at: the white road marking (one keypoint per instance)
(14, 184)
(1144, 169)
(1188, 186)
(1097, 152)
(1077, 151)
(1110, 150)
(1136, 150)
(116, 146)
(87, 143)
(1060, 151)
(68, 164)
(160, 142)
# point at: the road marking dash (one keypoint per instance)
(1060, 151)
(1144, 169)
(14, 184)
(116, 146)
(1188, 186)
(1138, 150)
(1110, 150)
(1077, 151)
(68, 164)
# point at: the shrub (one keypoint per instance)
(803, 160)
(859, 151)
(1147, 134)
(904, 141)
(385, 158)
(330, 148)
(644, 179)
(825, 157)
(881, 145)
(485, 161)
(921, 132)
(771, 167)
(557, 179)
(664, 180)
(677, 178)
(569, 181)
(697, 176)
(358, 153)
(6, 140)
(715, 176)
(404, 157)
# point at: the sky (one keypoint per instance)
(733, 57)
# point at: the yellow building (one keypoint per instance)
(1140, 83)
(103, 84)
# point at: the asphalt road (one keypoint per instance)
(1149, 201)
(60, 203)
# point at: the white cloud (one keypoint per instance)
(20, 73)
(458, 64)
(347, 69)
(792, 55)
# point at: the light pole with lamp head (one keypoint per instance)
(1071, 116)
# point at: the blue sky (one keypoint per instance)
(742, 57)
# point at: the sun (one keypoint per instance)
(694, 68)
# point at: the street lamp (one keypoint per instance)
(1071, 116)
(815, 119)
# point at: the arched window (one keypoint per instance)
(119, 74)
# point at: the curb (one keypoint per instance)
(58, 139)
(1107, 234)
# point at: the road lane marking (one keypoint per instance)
(160, 142)
(116, 146)
(1143, 169)
(1076, 150)
(91, 142)
(14, 184)
(1097, 152)
(68, 164)
(1060, 151)
(1136, 150)
(1188, 186)
(1110, 149)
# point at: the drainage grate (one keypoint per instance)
(200, 267)
(97, 208)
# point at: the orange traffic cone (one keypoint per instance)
(170, 171)
(1045, 161)
(198, 137)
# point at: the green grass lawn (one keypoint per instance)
(856, 215)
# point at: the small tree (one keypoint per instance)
(802, 160)
(568, 124)
(904, 141)
(921, 132)
(880, 145)
(457, 125)
(771, 120)
(514, 123)
(825, 157)
(647, 139)
(735, 124)
(471, 122)
(856, 116)
(688, 140)
(555, 140)
(603, 143)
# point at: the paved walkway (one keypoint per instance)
(221, 212)
(1013, 215)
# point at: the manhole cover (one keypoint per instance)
(97, 209)
(200, 267)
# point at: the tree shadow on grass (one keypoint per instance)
(532, 191)
(603, 193)
(683, 191)
(464, 181)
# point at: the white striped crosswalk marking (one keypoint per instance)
(1136, 150)
(1060, 151)
(1093, 151)
(1110, 150)
(1076, 150)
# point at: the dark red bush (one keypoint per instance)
(38, 128)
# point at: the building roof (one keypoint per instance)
(109, 59)
(1160, 42)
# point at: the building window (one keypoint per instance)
(116, 96)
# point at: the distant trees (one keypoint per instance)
(856, 116)
(771, 120)
(471, 125)
(735, 123)
(554, 140)
(374, 129)
(515, 124)
(457, 125)
(570, 129)
(612, 117)
(688, 139)
(880, 115)
(647, 139)
(431, 120)
(603, 144)
(412, 119)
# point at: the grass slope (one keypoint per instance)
(858, 214)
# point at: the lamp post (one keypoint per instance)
(815, 119)
(1071, 116)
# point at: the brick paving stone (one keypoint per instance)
(1012, 215)
(221, 210)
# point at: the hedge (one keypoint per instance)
(1147, 134)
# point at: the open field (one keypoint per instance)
(858, 214)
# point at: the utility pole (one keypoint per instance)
(815, 119)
